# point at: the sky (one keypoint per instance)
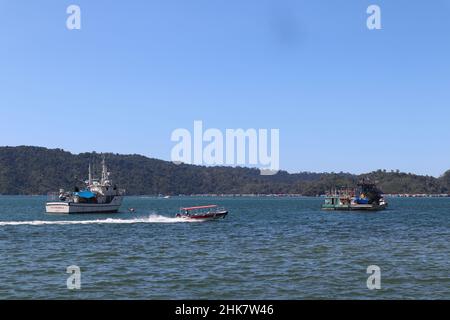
(345, 98)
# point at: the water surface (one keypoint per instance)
(267, 248)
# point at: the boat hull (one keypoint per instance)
(357, 207)
(72, 207)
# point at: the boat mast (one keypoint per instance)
(90, 175)
(104, 172)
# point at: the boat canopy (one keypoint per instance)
(85, 194)
(202, 207)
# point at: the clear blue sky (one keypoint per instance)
(344, 98)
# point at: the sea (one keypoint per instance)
(266, 248)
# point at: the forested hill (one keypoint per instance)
(36, 170)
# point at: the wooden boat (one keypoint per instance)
(202, 213)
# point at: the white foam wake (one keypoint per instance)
(151, 219)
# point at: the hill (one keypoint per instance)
(36, 170)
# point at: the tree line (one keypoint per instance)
(29, 170)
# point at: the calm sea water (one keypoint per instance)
(265, 249)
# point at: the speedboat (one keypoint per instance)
(202, 213)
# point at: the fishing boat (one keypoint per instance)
(366, 197)
(98, 196)
(202, 213)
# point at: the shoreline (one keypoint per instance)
(212, 195)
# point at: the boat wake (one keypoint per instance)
(154, 218)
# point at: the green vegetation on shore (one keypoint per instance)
(34, 170)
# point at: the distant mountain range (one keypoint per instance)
(28, 170)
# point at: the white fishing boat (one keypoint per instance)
(99, 196)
